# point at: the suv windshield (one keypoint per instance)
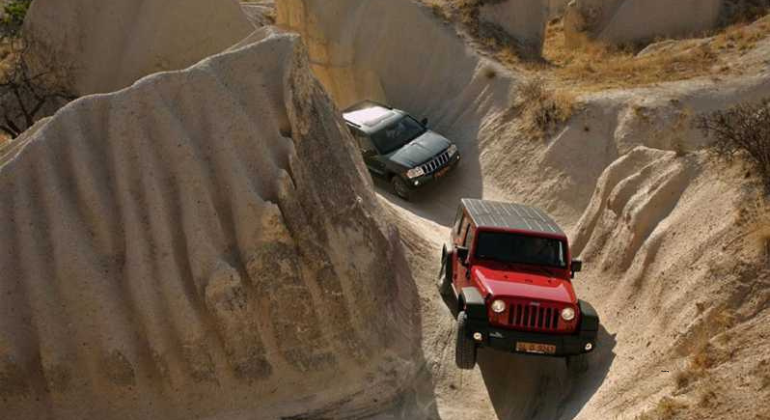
(397, 134)
(520, 249)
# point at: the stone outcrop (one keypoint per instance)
(630, 21)
(106, 45)
(203, 241)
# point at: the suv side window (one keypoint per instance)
(364, 143)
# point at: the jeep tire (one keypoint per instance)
(445, 275)
(400, 187)
(465, 347)
(577, 365)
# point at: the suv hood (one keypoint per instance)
(420, 150)
(524, 284)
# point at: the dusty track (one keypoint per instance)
(626, 177)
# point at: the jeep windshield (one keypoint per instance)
(397, 134)
(520, 249)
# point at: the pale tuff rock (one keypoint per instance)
(629, 21)
(108, 45)
(524, 20)
(203, 240)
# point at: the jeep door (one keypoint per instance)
(463, 239)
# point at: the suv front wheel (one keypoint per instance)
(400, 187)
(465, 347)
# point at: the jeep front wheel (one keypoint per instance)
(465, 347)
(400, 187)
(445, 275)
(577, 365)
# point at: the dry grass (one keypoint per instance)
(666, 409)
(542, 109)
(704, 358)
(592, 66)
(600, 66)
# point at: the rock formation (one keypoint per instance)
(106, 45)
(203, 241)
(629, 21)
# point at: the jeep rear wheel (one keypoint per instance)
(445, 275)
(577, 365)
(400, 187)
(465, 348)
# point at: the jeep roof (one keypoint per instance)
(370, 117)
(494, 214)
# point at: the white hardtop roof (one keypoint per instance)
(370, 117)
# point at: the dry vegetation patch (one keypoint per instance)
(541, 108)
(590, 66)
(741, 131)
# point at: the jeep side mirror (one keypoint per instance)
(577, 266)
(424, 122)
(462, 255)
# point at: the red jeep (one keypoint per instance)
(509, 266)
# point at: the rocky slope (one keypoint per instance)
(203, 243)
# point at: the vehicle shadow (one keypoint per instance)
(533, 387)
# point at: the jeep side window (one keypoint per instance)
(458, 221)
(466, 241)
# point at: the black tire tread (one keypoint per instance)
(465, 348)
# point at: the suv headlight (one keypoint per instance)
(568, 314)
(415, 172)
(498, 306)
(452, 150)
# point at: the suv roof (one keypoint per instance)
(369, 116)
(496, 214)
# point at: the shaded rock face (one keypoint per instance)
(525, 21)
(107, 45)
(628, 21)
(205, 240)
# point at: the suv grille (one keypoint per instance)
(528, 316)
(435, 163)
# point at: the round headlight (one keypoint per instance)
(498, 306)
(568, 314)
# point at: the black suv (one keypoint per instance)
(398, 148)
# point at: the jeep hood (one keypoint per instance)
(524, 284)
(420, 150)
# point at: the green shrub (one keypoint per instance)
(14, 13)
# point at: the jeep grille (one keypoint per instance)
(525, 315)
(435, 163)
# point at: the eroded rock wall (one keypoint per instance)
(630, 21)
(203, 242)
(524, 20)
(106, 45)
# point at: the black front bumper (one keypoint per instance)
(439, 173)
(505, 340)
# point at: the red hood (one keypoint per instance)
(504, 282)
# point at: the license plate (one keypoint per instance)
(442, 172)
(535, 348)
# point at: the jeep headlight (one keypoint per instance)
(452, 150)
(568, 314)
(498, 306)
(415, 172)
